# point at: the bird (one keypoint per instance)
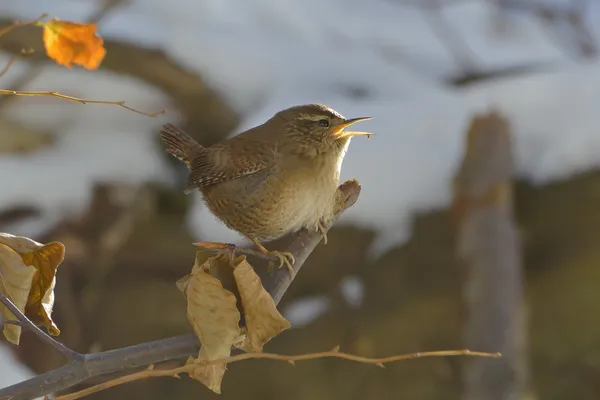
(272, 179)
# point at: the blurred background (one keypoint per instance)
(477, 226)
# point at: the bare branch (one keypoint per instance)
(150, 65)
(457, 46)
(150, 372)
(24, 52)
(18, 24)
(8, 65)
(10, 322)
(176, 348)
(38, 65)
(77, 100)
(552, 15)
(26, 323)
(56, 94)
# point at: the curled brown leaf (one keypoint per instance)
(213, 314)
(263, 320)
(27, 278)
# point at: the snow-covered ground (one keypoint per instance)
(11, 371)
(378, 57)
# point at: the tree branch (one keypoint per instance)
(150, 372)
(26, 323)
(38, 93)
(133, 357)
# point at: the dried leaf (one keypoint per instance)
(70, 43)
(27, 278)
(263, 321)
(211, 375)
(213, 313)
(15, 282)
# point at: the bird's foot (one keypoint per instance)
(284, 257)
(323, 231)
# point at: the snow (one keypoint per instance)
(353, 290)
(94, 143)
(303, 311)
(407, 166)
(11, 371)
(379, 58)
(554, 116)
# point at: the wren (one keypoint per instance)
(275, 178)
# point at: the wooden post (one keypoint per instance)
(488, 245)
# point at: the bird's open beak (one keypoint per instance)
(339, 131)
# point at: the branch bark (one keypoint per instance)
(26, 323)
(129, 359)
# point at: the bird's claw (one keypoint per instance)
(285, 258)
(323, 231)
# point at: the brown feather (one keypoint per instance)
(229, 160)
(179, 144)
(275, 178)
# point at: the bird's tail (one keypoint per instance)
(179, 144)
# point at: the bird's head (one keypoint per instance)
(313, 129)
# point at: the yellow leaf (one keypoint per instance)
(27, 278)
(70, 43)
(213, 313)
(210, 376)
(263, 321)
(15, 282)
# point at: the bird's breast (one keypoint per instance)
(293, 194)
(310, 194)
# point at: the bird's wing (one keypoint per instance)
(232, 159)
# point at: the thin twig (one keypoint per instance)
(10, 322)
(77, 100)
(18, 24)
(26, 323)
(37, 66)
(552, 15)
(24, 52)
(457, 46)
(8, 65)
(56, 94)
(335, 353)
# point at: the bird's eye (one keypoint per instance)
(324, 123)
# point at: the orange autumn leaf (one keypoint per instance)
(70, 43)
